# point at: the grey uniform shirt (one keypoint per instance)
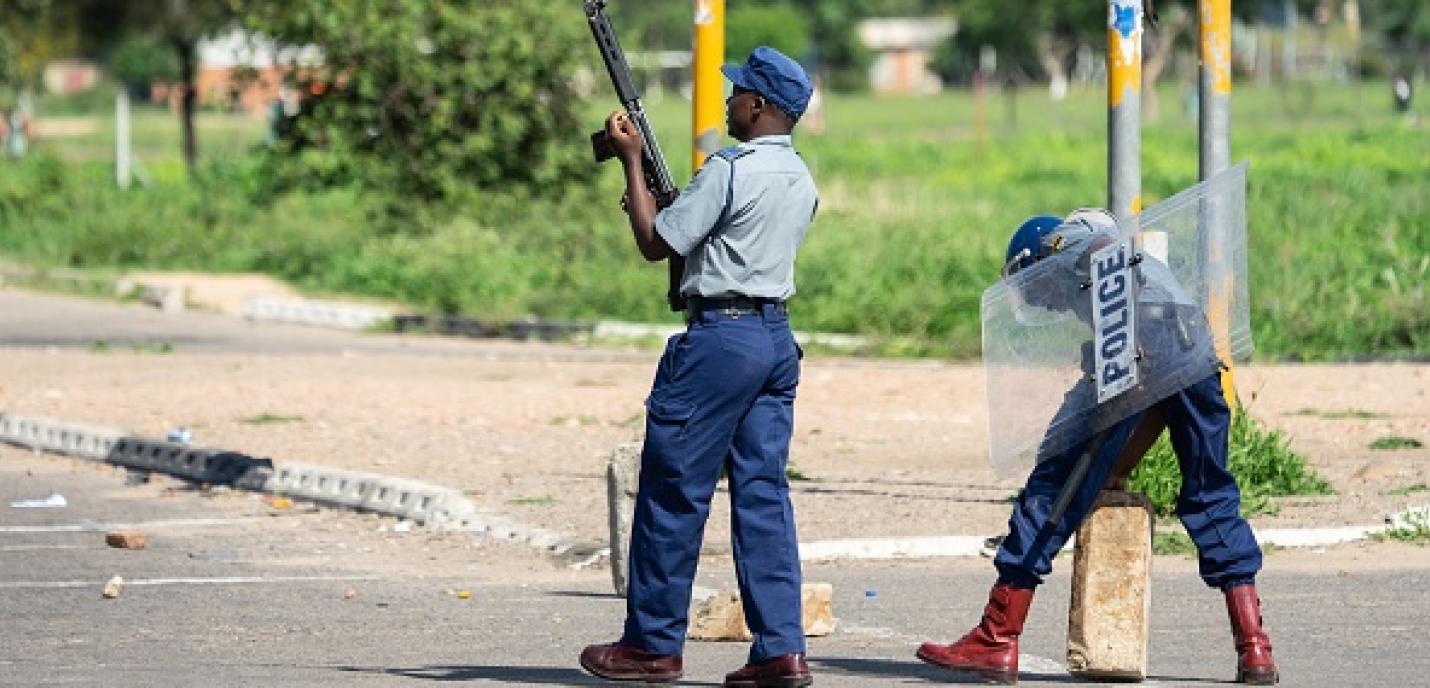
(748, 247)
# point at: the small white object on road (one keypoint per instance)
(111, 589)
(55, 500)
(181, 436)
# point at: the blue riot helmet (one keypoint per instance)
(1026, 247)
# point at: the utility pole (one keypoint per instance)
(1124, 109)
(121, 139)
(707, 106)
(1214, 155)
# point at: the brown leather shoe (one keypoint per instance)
(784, 671)
(618, 662)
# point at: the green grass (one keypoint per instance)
(1173, 542)
(266, 418)
(1409, 489)
(1393, 442)
(1261, 459)
(1415, 530)
(917, 203)
(1356, 414)
(546, 500)
(795, 475)
(158, 346)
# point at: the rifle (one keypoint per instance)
(657, 172)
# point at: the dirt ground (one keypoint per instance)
(889, 447)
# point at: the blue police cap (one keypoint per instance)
(775, 76)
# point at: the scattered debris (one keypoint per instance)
(278, 502)
(214, 555)
(126, 539)
(55, 500)
(136, 477)
(464, 594)
(402, 527)
(112, 588)
(180, 435)
(350, 594)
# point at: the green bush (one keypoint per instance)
(779, 26)
(443, 101)
(1261, 459)
(143, 59)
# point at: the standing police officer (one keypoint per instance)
(1197, 417)
(724, 390)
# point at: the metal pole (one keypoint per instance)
(1214, 149)
(1124, 109)
(707, 109)
(121, 139)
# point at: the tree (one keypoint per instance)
(177, 24)
(1404, 25)
(779, 26)
(182, 23)
(32, 32)
(438, 100)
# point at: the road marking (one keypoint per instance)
(92, 526)
(974, 545)
(229, 580)
(29, 548)
(893, 548)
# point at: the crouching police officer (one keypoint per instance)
(1173, 330)
(724, 391)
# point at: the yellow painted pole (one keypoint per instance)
(1124, 109)
(708, 102)
(1214, 147)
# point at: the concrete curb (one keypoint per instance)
(430, 505)
(978, 545)
(345, 316)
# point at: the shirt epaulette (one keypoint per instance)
(732, 153)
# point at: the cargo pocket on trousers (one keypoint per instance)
(667, 419)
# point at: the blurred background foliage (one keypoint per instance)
(438, 155)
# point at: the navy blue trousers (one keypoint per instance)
(723, 397)
(1209, 503)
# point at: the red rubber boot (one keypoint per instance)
(991, 648)
(1254, 663)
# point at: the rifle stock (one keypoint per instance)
(657, 172)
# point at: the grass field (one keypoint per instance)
(919, 196)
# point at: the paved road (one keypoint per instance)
(258, 596)
(35, 319)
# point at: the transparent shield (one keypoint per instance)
(1038, 340)
(1203, 230)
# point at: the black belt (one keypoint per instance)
(733, 305)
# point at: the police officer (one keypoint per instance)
(723, 396)
(1198, 418)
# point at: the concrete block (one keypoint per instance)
(719, 616)
(817, 601)
(126, 539)
(169, 298)
(1108, 620)
(622, 480)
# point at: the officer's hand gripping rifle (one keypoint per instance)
(657, 172)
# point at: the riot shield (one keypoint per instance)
(1200, 234)
(1051, 331)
